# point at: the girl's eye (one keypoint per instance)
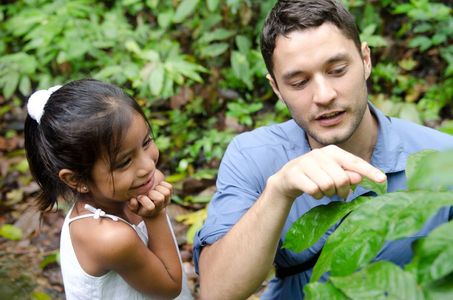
(147, 142)
(123, 164)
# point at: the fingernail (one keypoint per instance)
(380, 176)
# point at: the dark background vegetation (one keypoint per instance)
(196, 68)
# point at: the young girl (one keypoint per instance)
(90, 144)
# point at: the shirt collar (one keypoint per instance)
(388, 155)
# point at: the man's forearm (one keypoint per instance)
(235, 266)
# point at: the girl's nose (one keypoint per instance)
(146, 165)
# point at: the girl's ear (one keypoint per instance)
(68, 177)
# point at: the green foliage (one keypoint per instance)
(370, 222)
(40, 296)
(10, 232)
(431, 20)
(188, 59)
(194, 220)
(50, 259)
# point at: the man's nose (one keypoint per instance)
(323, 91)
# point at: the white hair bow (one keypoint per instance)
(38, 100)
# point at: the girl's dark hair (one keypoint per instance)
(290, 15)
(82, 121)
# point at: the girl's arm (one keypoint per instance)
(156, 269)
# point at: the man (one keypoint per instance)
(271, 176)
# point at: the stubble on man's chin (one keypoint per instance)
(322, 141)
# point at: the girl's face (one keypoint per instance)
(134, 172)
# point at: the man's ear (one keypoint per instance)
(274, 86)
(366, 57)
(68, 177)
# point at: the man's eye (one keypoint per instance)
(299, 84)
(338, 71)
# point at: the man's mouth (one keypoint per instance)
(330, 118)
(330, 115)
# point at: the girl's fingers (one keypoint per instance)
(133, 205)
(166, 184)
(145, 202)
(158, 199)
(146, 206)
(166, 192)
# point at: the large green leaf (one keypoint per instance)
(378, 188)
(440, 290)
(323, 291)
(381, 280)
(309, 228)
(420, 207)
(433, 255)
(364, 232)
(414, 160)
(434, 172)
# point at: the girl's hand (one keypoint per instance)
(148, 206)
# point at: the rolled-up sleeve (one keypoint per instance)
(239, 185)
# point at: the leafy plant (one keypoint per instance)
(371, 221)
(10, 232)
(430, 19)
(194, 220)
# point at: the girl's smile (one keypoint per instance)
(134, 169)
(145, 187)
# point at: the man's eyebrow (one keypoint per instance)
(337, 58)
(292, 74)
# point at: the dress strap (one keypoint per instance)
(97, 213)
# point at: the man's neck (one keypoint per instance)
(364, 139)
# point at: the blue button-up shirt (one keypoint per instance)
(252, 157)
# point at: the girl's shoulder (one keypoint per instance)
(102, 243)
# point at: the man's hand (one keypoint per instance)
(323, 172)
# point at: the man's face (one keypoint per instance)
(321, 77)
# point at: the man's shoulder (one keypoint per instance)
(421, 137)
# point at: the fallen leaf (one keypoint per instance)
(28, 222)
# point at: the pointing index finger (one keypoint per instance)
(353, 163)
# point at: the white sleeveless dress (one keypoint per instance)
(80, 285)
